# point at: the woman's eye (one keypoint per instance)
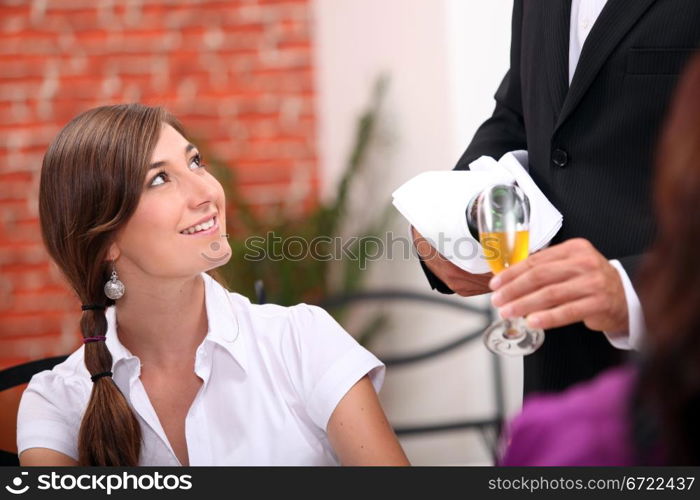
(159, 177)
(162, 176)
(196, 162)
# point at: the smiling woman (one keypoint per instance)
(181, 212)
(175, 369)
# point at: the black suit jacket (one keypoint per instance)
(591, 144)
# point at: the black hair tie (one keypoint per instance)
(98, 376)
(96, 307)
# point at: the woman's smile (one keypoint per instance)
(209, 226)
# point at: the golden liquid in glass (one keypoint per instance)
(502, 250)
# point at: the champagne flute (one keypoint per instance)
(503, 222)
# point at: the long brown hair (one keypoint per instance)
(91, 181)
(670, 281)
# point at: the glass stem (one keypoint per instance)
(512, 328)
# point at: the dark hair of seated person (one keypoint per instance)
(666, 404)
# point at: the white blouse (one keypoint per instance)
(272, 376)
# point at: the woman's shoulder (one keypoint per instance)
(271, 319)
(585, 425)
(50, 409)
(294, 332)
(270, 314)
(68, 378)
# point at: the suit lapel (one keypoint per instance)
(556, 49)
(615, 20)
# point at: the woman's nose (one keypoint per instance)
(201, 190)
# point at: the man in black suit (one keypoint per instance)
(586, 93)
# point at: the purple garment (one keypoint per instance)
(588, 425)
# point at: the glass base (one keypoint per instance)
(513, 338)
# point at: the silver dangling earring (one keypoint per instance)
(114, 289)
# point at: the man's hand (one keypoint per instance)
(563, 284)
(460, 281)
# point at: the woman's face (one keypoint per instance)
(178, 229)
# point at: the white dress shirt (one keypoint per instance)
(271, 376)
(584, 14)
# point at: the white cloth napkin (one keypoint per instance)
(435, 204)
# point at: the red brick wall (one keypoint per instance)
(237, 73)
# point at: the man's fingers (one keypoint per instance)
(464, 283)
(532, 281)
(548, 297)
(546, 256)
(424, 249)
(566, 314)
(458, 280)
(468, 285)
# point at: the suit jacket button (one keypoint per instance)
(560, 158)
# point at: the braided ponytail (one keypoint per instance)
(109, 434)
(91, 182)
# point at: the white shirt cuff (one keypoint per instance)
(632, 338)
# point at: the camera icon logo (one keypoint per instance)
(17, 482)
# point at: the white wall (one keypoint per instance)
(444, 59)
